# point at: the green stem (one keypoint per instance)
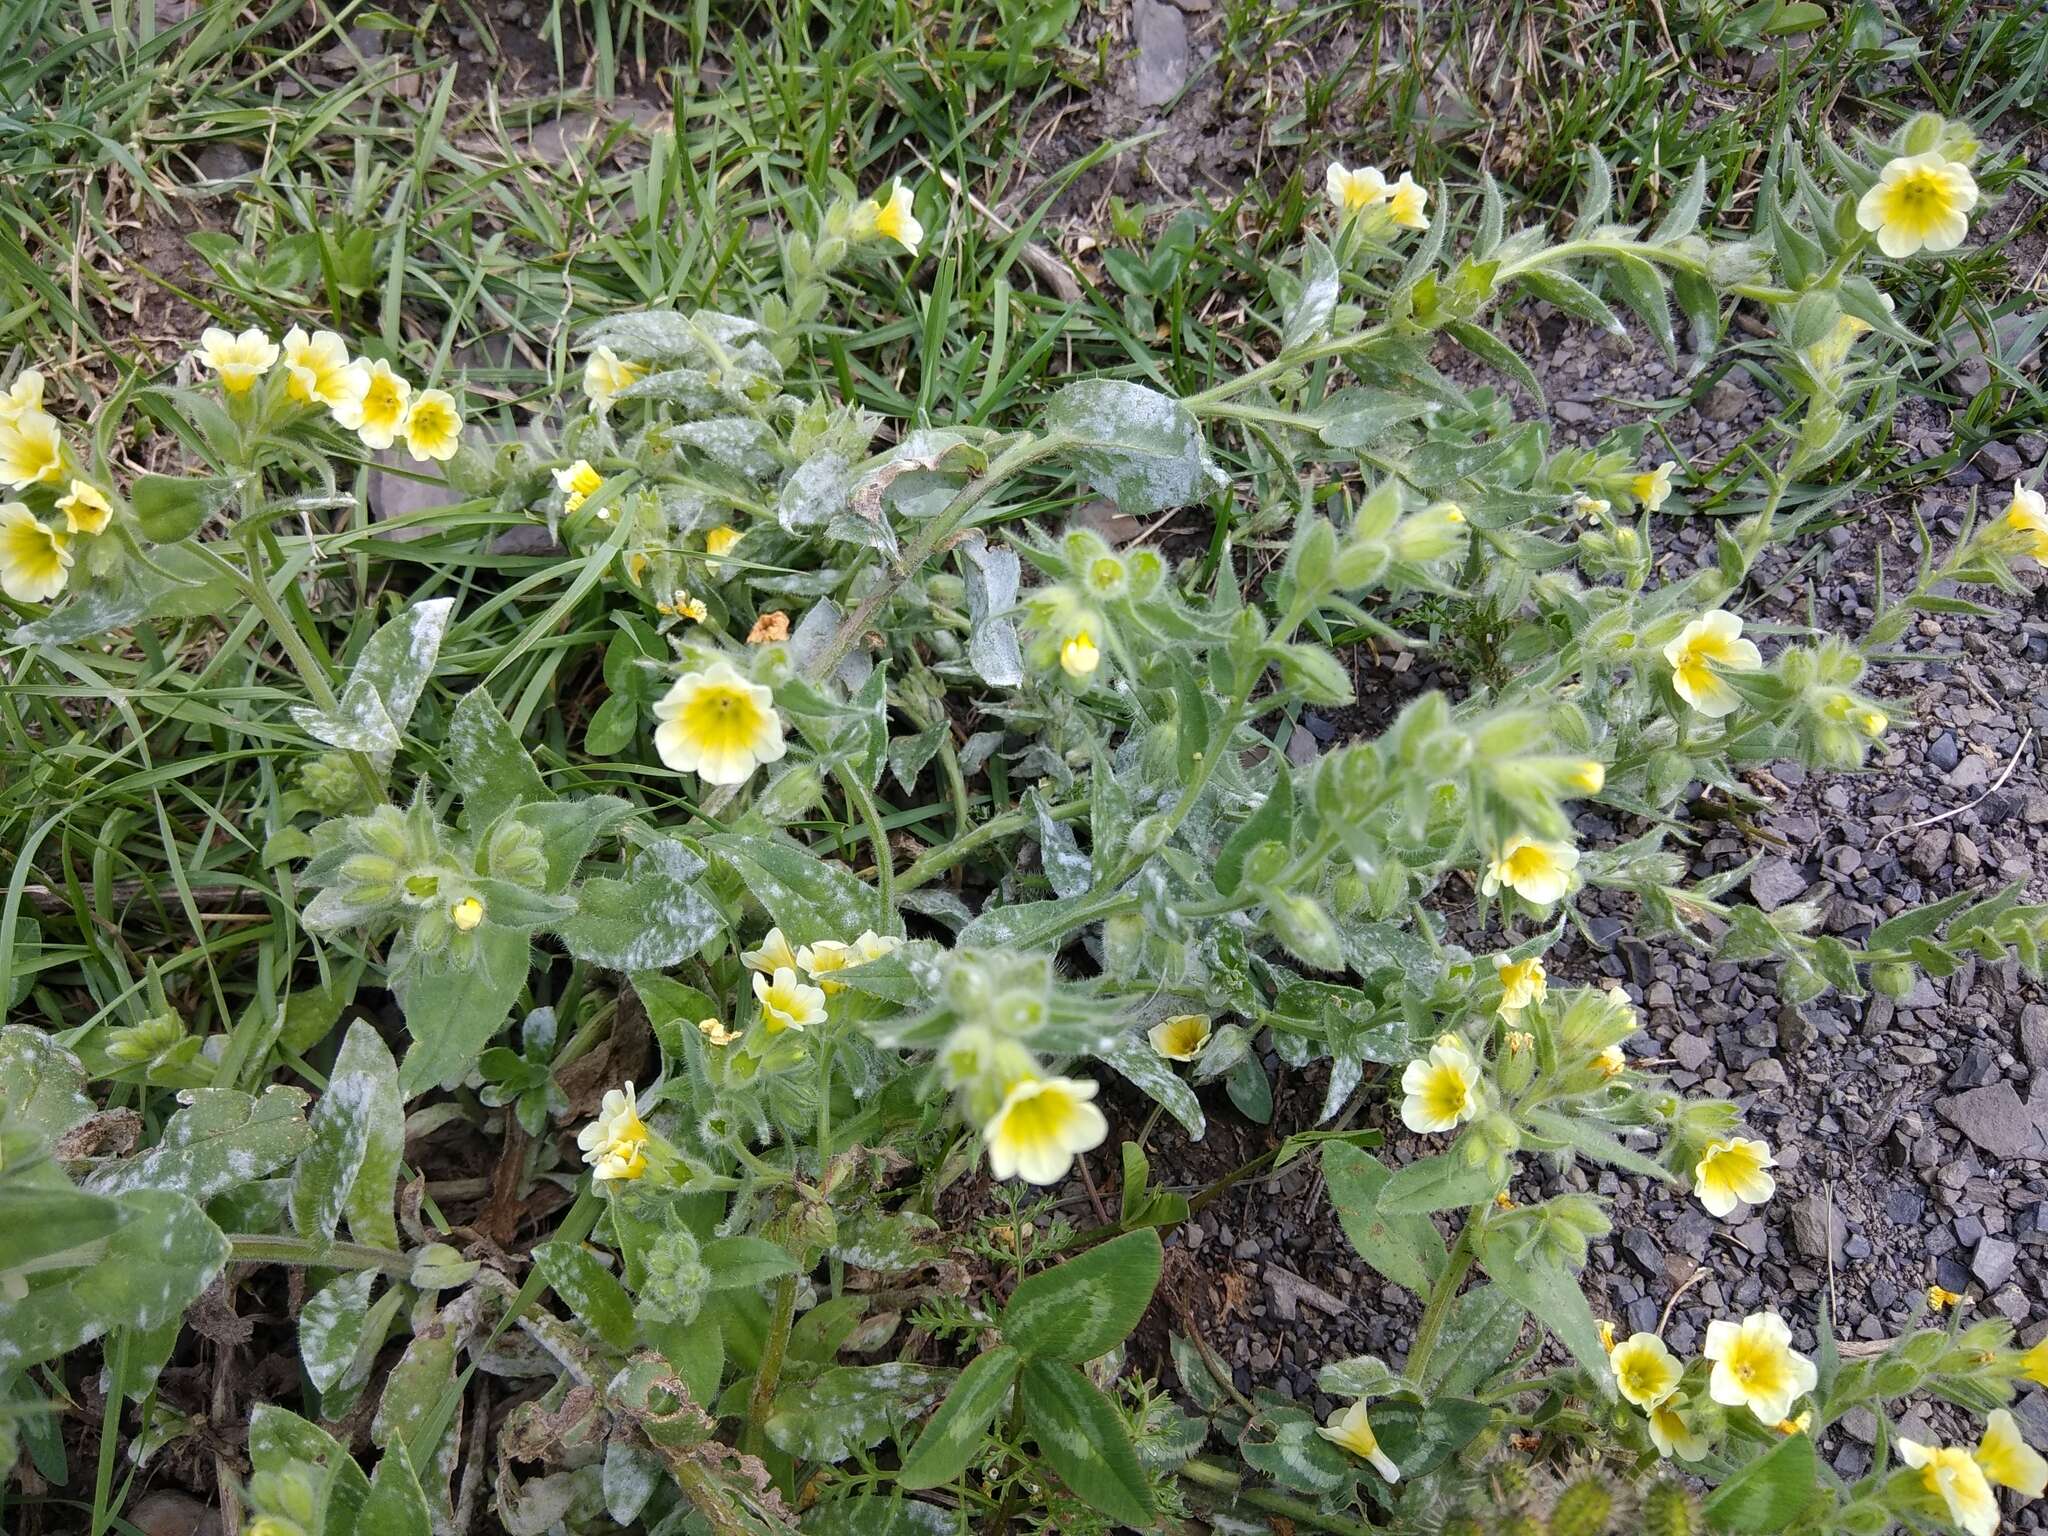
(773, 1350)
(1024, 451)
(929, 866)
(859, 796)
(1440, 1298)
(1204, 1473)
(260, 1248)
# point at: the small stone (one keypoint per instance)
(1993, 1261)
(1775, 882)
(1161, 33)
(1816, 1232)
(1692, 1051)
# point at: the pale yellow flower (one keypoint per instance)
(684, 606)
(239, 360)
(1644, 1370)
(1873, 722)
(578, 483)
(718, 543)
(1672, 1434)
(1731, 1171)
(1181, 1037)
(1405, 203)
(895, 221)
(787, 1003)
(23, 395)
(2034, 1364)
(615, 1143)
(1079, 656)
(718, 725)
(606, 374)
(715, 1033)
(35, 559)
(85, 508)
(1350, 1430)
(2026, 517)
(1653, 487)
(433, 426)
(1952, 1475)
(373, 402)
(1590, 777)
(31, 450)
(1536, 871)
(316, 368)
(1920, 202)
(822, 957)
(1439, 1091)
(1518, 1041)
(1611, 1062)
(1522, 982)
(1353, 191)
(467, 915)
(2007, 1459)
(1940, 1298)
(873, 945)
(1591, 508)
(773, 955)
(1043, 1124)
(1756, 1367)
(1607, 1335)
(1710, 645)
(1796, 1426)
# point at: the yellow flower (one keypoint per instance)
(1355, 191)
(605, 374)
(1940, 1299)
(25, 394)
(1591, 508)
(1873, 722)
(773, 955)
(685, 606)
(1181, 1037)
(1920, 202)
(716, 1033)
(1798, 1426)
(895, 221)
(31, 450)
(822, 958)
(1672, 1435)
(1755, 1366)
(1952, 1475)
(467, 915)
(1044, 1123)
(2034, 1364)
(1079, 657)
(2008, 1460)
(1518, 1041)
(373, 403)
(787, 1003)
(1644, 1370)
(578, 483)
(1607, 1335)
(1732, 1170)
(1589, 777)
(1405, 201)
(2026, 516)
(1537, 872)
(1350, 1430)
(1503, 1200)
(433, 426)
(1653, 487)
(1611, 1062)
(718, 544)
(315, 367)
(85, 508)
(873, 945)
(615, 1143)
(1710, 645)
(239, 360)
(35, 559)
(1437, 1091)
(1522, 982)
(717, 725)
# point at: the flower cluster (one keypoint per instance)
(368, 398)
(1752, 1365)
(791, 985)
(36, 553)
(1366, 190)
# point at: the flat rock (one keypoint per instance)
(1775, 882)
(1161, 33)
(1816, 1230)
(1997, 1121)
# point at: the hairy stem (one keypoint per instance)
(769, 1377)
(259, 1248)
(1204, 1473)
(1441, 1296)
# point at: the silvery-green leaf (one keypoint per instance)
(1135, 445)
(815, 493)
(331, 1326)
(632, 1475)
(814, 632)
(358, 1136)
(41, 1084)
(653, 918)
(452, 1014)
(1308, 317)
(992, 575)
(1070, 871)
(486, 759)
(222, 1139)
(810, 898)
(385, 683)
(853, 1408)
(739, 443)
(1133, 1057)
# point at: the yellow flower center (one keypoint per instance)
(1445, 1094)
(722, 718)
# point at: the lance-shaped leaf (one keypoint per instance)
(992, 575)
(384, 685)
(1135, 445)
(221, 1140)
(489, 765)
(1087, 1306)
(358, 1136)
(809, 898)
(950, 1439)
(41, 1084)
(452, 1014)
(1086, 1440)
(853, 1408)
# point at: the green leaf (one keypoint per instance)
(1138, 447)
(397, 1506)
(809, 898)
(955, 1432)
(1087, 1306)
(332, 1325)
(172, 507)
(741, 1263)
(1442, 1183)
(1406, 1249)
(589, 1290)
(143, 1274)
(1422, 1437)
(1273, 821)
(42, 1220)
(853, 1408)
(41, 1084)
(1144, 1068)
(384, 685)
(1587, 1136)
(358, 1137)
(487, 762)
(221, 1140)
(1769, 1494)
(453, 1014)
(1553, 1297)
(1287, 1448)
(654, 918)
(1308, 316)
(1480, 1332)
(278, 1437)
(612, 727)
(1086, 1440)
(874, 1514)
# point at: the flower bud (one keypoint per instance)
(1299, 922)
(1435, 534)
(517, 852)
(330, 781)
(677, 1280)
(466, 915)
(145, 1042)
